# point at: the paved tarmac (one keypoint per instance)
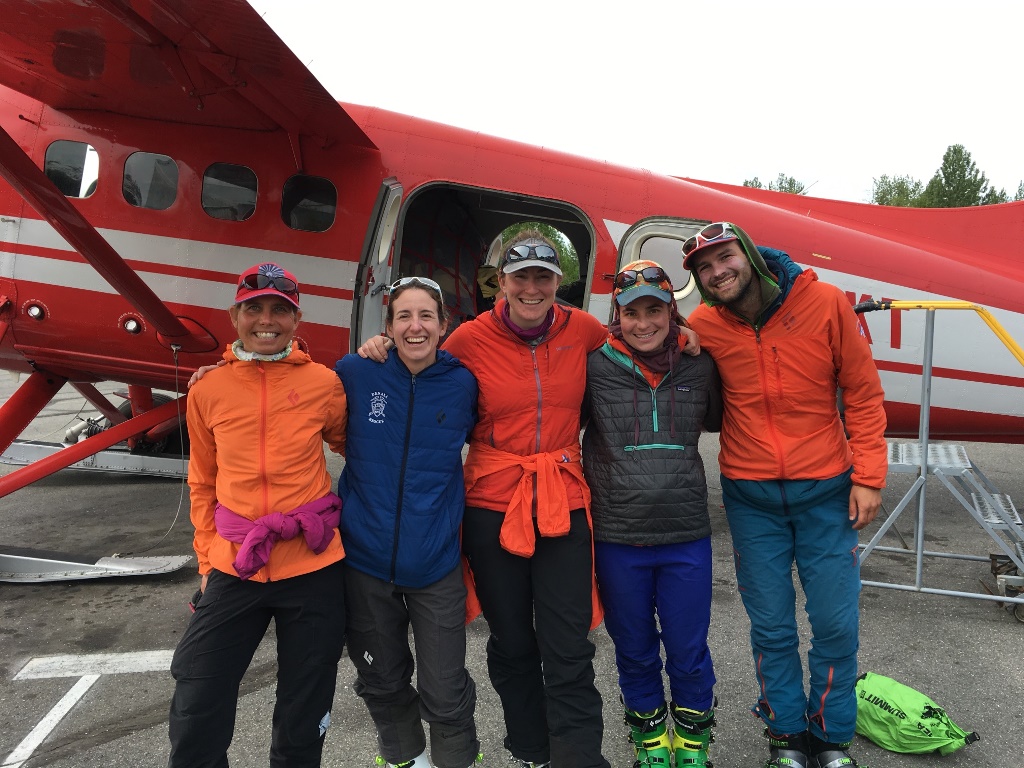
(966, 654)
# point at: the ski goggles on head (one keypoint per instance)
(257, 282)
(627, 278)
(712, 234)
(416, 282)
(721, 230)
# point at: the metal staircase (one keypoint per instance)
(991, 509)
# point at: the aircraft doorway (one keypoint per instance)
(447, 232)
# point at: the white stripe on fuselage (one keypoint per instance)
(312, 271)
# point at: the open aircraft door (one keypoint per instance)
(660, 239)
(375, 265)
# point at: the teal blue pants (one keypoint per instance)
(774, 524)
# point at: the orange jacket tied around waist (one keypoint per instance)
(517, 531)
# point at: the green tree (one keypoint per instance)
(904, 191)
(787, 184)
(1020, 192)
(567, 257)
(783, 183)
(957, 183)
(994, 196)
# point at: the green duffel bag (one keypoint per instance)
(900, 719)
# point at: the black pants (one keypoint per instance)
(218, 646)
(379, 615)
(539, 656)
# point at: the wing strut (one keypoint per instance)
(41, 193)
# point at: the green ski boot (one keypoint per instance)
(692, 735)
(649, 733)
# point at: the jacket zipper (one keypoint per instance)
(552, 332)
(401, 477)
(767, 403)
(654, 408)
(264, 485)
(540, 409)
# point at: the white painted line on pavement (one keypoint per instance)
(95, 664)
(28, 745)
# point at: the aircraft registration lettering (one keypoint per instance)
(895, 319)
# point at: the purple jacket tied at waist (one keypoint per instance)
(316, 521)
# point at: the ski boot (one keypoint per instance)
(692, 735)
(420, 761)
(649, 733)
(525, 764)
(787, 750)
(826, 754)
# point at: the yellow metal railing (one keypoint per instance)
(990, 321)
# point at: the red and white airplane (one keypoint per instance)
(153, 149)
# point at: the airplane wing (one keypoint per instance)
(198, 62)
(990, 235)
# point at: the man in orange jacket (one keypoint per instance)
(266, 533)
(795, 486)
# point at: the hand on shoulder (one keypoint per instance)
(376, 348)
(194, 379)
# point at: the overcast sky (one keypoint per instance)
(833, 93)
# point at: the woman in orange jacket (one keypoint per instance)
(266, 533)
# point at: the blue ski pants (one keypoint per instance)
(775, 524)
(653, 596)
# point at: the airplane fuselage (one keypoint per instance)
(457, 191)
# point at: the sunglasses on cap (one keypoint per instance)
(712, 232)
(259, 281)
(422, 282)
(540, 252)
(627, 278)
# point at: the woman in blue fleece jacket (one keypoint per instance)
(404, 497)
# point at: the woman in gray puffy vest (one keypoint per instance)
(645, 407)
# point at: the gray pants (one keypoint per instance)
(378, 617)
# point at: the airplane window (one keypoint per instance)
(73, 166)
(229, 191)
(150, 181)
(667, 251)
(309, 203)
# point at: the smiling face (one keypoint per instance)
(416, 327)
(725, 273)
(530, 293)
(644, 323)
(265, 324)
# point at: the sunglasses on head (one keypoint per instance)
(258, 282)
(541, 252)
(709, 234)
(652, 275)
(422, 282)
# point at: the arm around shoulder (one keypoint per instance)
(713, 415)
(334, 431)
